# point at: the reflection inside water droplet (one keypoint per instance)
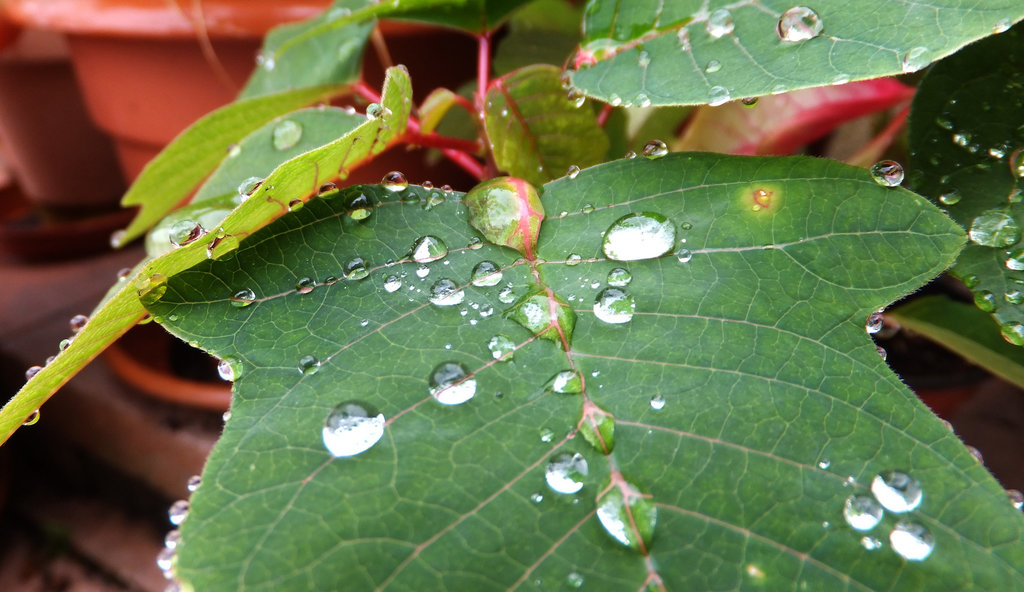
(567, 382)
(451, 384)
(565, 472)
(445, 292)
(394, 182)
(897, 491)
(178, 512)
(428, 248)
(309, 365)
(627, 515)
(887, 173)
(654, 149)
(619, 277)
(911, 541)
(862, 512)
(799, 23)
(486, 274)
(352, 427)
(614, 306)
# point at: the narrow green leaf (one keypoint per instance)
(691, 52)
(748, 402)
(535, 130)
(965, 330)
(967, 153)
(434, 108)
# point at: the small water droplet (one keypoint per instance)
(887, 173)
(485, 274)
(356, 269)
(243, 298)
(546, 435)
(77, 323)
(374, 111)
(309, 365)
(507, 295)
(249, 186)
(501, 348)
(359, 207)
(619, 277)
(574, 579)
(451, 384)
(654, 149)
(712, 66)
(32, 371)
(1016, 498)
(572, 172)
(573, 260)
(351, 428)
(874, 323)
(392, 284)
(32, 419)
(394, 182)
(567, 382)
(862, 512)
(172, 538)
(305, 285)
(870, 543)
(165, 559)
(799, 23)
(193, 483)
(287, 134)
(614, 306)
(898, 492)
(565, 472)
(422, 271)
(718, 95)
(428, 248)
(995, 228)
(641, 235)
(719, 23)
(657, 402)
(915, 59)
(684, 255)
(295, 205)
(328, 190)
(234, 150)
(536, 497)
(576, 97)
(840, 79)
(150, 290)
(178, 512)
(627, 515)
(950, 198)
(225, 369)
(445, 292)
(1002, 25)
(824, 464)
(911, 541)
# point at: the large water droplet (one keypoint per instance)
(565, 472)
(654, 149)
(359, 207)
(309, 365)
(226, 370)
(718, 95)
(619, 277)
(915, 59)
(995, 228)
(501, 348)
(862, 512)
(165, 559)
(627, 515)
(178, 512)
(184, 232)
(445, 292)
(392, 284)
(287, 134)
(243, 298)
(719, 23)
(799, 24)
(450, 384)
(485, 274)
(897, 491)
(887, 173)
(352, 427)
(305, 285)
(428, 248)
(355, 269)
(614, 306)
(642, 235)
(911, 541)
(394, 182)
(567, 382)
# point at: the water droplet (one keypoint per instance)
(1014, 296)
(799, 24)
(654, 149)
(862, 512)
(77, 323)
(897, 491)
(572, 172)
(287, 134)
(359, 207)
(565, 472)
(374, 111)
(328, 190)
(392, 284)
(356, 269)
(870, 543)
(165, 559)
(619, 277)
(718, 95)
(172, 538)
(295, 205)
(451, 384)
(501, 348)
(1002, 26)
(840, 79)
(352, 427)
(32, 371)
(507, 295)
(614, 100)
(684, 255)
(422, 271)
(178, 512)
(546, 435)
(567, 382)
(243, 298)
(975, 453)
(309, 365)
(657, 402)
(193, 483)
(995, 228)
(32, 419)
(576, 97)
(911, 541)
(915, 59)
(887, 173)
(950, 198)
(445, 292)
(712, 66)
(305, 285)
(574, 579)
(614, 306)
(394, 182)
(151, 289)
(234, 150)
(427, 249)
(225, 369)
(874, 323)
(485, 274)
(627, 515)
(824, 464)
(719, 23)
(1016, 498)
(641, 235)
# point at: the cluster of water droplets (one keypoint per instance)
(899, 493)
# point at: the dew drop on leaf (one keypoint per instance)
(627, 515)
(485, 274)
(226, 370)
(1016, 498)
(985, 300)
(359, 207)
(718, 95)
(295, 205)
(507, 295)
(77, 323)
(574, 579)
(654, 149)
(172, 538)
(243, 298)
(32, 419)
(445, 292)
(799, 23)
(712, 66)
(287, 134)
(565, 472)
(719, 23)
(422, 271)
(374, 111)
(1013, 332)
(356, 269)
(995, 228)
(506, 211)
(614, 306)
(178, 512)
(898, 492)
(915, 59)
(165, 559)
(394, 182)
(193, 483)
(184, 232)
(657, 402)
(572, 172)
(862, 512)
(619, 277)
(874, 323)
(352, 427)
(501, 348)
(309, 365)
(32, 371)
(450, 384)
(546, 435)
(870, 543)
(328, 190)
(637, 236)
(950, 198)
(249, 186)
(428, 248)
(684, 255)
(392, 284)
(887, 173)
(567, 382)
(840, 79)
(911, 541)
(305, 285)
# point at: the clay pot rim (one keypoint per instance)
(166, 18)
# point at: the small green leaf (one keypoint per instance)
(967, 154)
(434, 108)
(691, 52)
(536, 131)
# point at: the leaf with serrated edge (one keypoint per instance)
(295, 181)
(776, 405)
(668, 52)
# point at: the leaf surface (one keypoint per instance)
(691, 52)
(722, 425)
(967, 153)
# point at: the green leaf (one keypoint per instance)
(747, 401)
(180, 166)
(477, 16)
(542, 32)
(966, 138)
(535, 130)
(691, 52)
(965, 330)
(286, 189)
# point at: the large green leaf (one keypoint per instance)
(967, 154)
(536, 132)
(691, 51)
(723, 425)
(286, 189)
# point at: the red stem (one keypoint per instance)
(433, 140)
(483, 67)
(602, 117)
